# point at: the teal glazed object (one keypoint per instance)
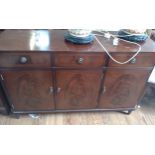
(79, 40)
(135, 38)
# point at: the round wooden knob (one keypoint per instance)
(133, 61)
(58, 90)
(23, 60)
(80, 60)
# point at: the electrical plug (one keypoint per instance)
(115, 41)
(107, 35)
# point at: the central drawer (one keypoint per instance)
(25, 60)
(79, 60)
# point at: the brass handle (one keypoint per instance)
(51, 90)
(104, 90)
(2, 77)
(23, 60)
(133, 61)
(58, 90)
(80, 60)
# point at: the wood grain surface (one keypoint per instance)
(31, 40)
(143, 116)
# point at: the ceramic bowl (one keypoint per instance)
(139, 37)
(79, 32)
(79, 40)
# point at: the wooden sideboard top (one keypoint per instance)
(53, 40)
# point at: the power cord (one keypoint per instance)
(114, 36)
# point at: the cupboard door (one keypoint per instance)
(29, 90)
(2, 108)
(2, 102)
(77, 89)
(123, 88)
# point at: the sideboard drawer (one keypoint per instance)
(25, 60)
(79, 60)
(141, 60)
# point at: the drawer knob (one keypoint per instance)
(51, 90)
(23, 60)
(58, 90)
(80, 60)
(133, 61)
(104, 90)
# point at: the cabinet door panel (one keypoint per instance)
(77, 89)
(2, 108)
(29, 90)
(2, 102)
(122, 88)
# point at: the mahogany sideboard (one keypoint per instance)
(40, 72)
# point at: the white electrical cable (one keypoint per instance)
(138, 51)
